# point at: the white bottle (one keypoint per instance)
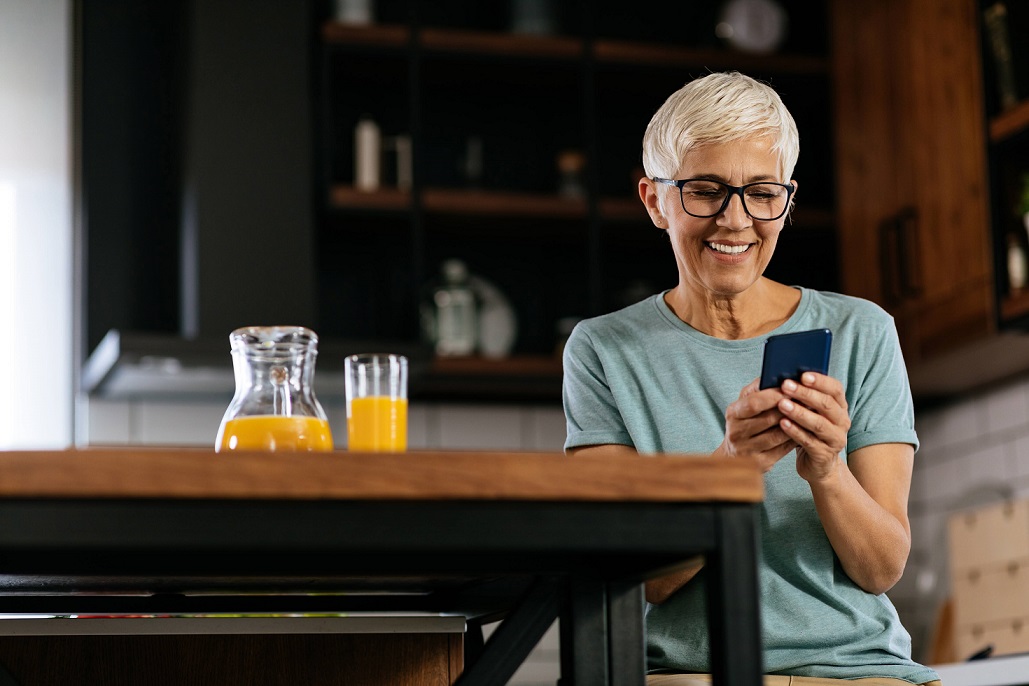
(355, 11)
(456, 325)
(1018, 269)
(367, 155)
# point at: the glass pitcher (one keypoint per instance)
(274, 407)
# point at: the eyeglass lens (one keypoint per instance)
(762, 201)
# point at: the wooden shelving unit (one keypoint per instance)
(1004, 127)
(1010, 122)
(528, 99)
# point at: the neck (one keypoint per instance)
(758, 310)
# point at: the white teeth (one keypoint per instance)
(729, 249)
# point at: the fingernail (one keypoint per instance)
(790, 385)
(787, 405)
(809, 378)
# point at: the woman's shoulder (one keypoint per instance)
(635, 317)
(848, 307)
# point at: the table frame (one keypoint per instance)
(493, 556)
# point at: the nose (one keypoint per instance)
(734, 216)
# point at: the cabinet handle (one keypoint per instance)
(889, 261)
(911, 265)
(900, 270)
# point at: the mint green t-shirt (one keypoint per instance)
(644, 378)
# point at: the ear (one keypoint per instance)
(651, 201)
(793, 202)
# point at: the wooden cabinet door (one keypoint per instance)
(911, 160)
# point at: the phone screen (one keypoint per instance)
(789, 355)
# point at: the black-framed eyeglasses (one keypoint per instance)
(764, 201)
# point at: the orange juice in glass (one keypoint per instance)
(376, 390)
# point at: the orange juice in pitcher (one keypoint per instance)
(274, 407)
(269, 432)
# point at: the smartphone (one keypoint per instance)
(789, 355)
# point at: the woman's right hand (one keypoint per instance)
(752, 427)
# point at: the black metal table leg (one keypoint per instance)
(732, 599)
(585, 634)
(626, 648)
(516, 636)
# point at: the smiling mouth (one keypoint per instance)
(729, 249)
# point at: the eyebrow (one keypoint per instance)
(753, 179)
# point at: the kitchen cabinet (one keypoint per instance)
(915, 226)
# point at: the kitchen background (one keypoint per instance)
(183, 168)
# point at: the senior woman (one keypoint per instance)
(676, 373)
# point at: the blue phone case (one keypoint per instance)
(789, 355)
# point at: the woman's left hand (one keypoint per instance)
(816, 417)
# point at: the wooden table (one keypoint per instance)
(526, 537)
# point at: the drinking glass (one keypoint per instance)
(376, 390)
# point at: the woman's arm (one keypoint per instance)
(863, 508)
(862, 503)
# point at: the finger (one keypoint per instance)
(771, 456)
(823, 403)
(773, 440)
(817, 452)
(799, 422)
(752, 387)
(753, 404)
(741, 431)
(825, 384)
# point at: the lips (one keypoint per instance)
(727, 249)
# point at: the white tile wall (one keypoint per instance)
(470, 427)
(974, 452)
(430, 426)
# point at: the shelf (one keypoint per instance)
(502, 203)
(348, 197)
(509, 45)
(1014, 306)
(1010, 122)
(454, 41)
(565, 48)
(376, 35)
(513, 204)
(463, 202)
(624, 52)
(622, 210)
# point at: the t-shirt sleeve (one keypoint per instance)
(882, 410)
(591, 412)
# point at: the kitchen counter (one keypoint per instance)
(1007, 670)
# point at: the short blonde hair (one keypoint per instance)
(718, 108)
